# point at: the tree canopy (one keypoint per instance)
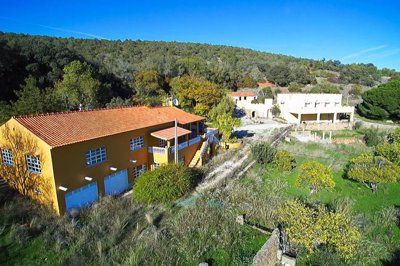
(315, 227)
(78, 86)
(164, 184)
(315, 175)
(382, 102)
(196, 94)
(372, 170)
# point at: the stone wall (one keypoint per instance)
(268, 254)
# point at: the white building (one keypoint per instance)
(298, 108)
(243, 100)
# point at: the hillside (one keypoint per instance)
(113, 64)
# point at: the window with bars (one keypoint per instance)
(138, 170)
(33, 164)
(6, 154)
(96, 156)
(137, 143)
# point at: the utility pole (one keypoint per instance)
(176, 141)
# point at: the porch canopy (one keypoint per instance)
(169, 133)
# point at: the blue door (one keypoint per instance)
(82, 196)
(116, 183)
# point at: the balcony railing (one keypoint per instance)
(157, 150)
(185, 144)
(211, 132)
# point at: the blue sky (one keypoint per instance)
(350, 31)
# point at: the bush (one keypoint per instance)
(357, 125)
(325, 88)
(295, 87)
(284, 161)
(382, 102)
(373, 137)
(164, 184)
(263, 152)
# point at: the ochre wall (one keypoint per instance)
(70, 167)
(66, 165)
(45, 159)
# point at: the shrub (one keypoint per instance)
(164, 184)
(357, 125)
(315, 175)
(284, 161)
(263, 152)
(325, 88)
(295, 87)
(382, 102)
(275, 110)
(394, 137)
(374, 136)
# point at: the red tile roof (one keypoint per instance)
(169, 133)
(59, 129)
(243, 93)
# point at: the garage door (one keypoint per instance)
(116, 183)
(82, 196)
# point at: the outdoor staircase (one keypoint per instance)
(195, 159)
(199, 155)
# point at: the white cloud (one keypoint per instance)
(362, 52)
(56, 28)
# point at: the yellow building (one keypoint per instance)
(85, 155)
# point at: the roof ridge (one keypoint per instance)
(86, 110)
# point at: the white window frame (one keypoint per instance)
(96, 156)
(137, 143)
(7, 157)
(33, 164)
(138, 170)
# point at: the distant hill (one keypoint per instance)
(116, 61)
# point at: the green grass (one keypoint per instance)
(30, 252)
(251, 243)
(364, 201)
(337, 157)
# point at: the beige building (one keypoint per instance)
(300, 108)
(243, 100)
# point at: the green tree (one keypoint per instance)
(325, 88)
(355, 90)
(78, 86)
(284, 161)
(389, 151)
(300, 74)
(374, 136)
(394, 137)
(280, 74)
(148, 83)
(295, 87)
(382, 102)
(226, 123)
(265, 93)
(119, 102)
(315, 228)
(225, 106)
(30, 98)
(372, 170)
(275, 110)
(263, 152)
(197, 94)
(164, 184)
(247, 82)
(315, 175)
